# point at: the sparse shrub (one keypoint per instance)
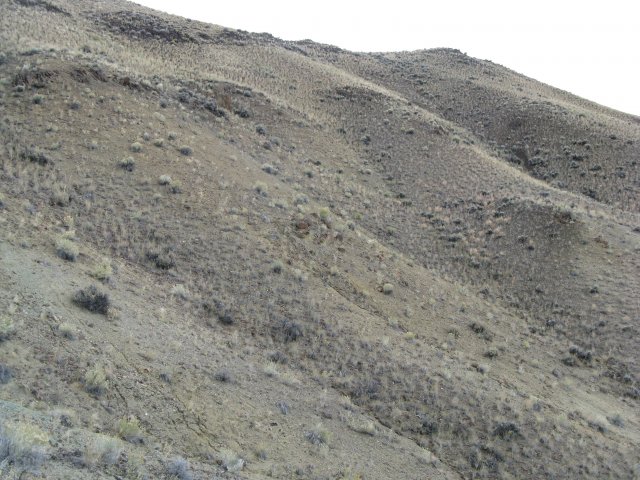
(277, 266)
(283, 407)
(35, 155)
(230, 460)
(127, 163)
(158, 142)
(74, 105)
(172, 135)
(318, 435)
(225, 316)
(103, 270)
(163, 260)
(164, 180)
(66, 249)
(129, 429)
(223, 376)
(506, 430)
(301, 199)
(95, 381)
(5, 374)
(24, 445)
(270, 169)
(176, 186)
(180, 291)
(292, 331)
(324, 213)
(60, 196)
(102, 449)
(186, 150)
(364, 426)
(92, 299)
(146, 136)
(37, 99)
(68, 330)
(270, 369)
(387, 289)
(179, 468)
(261, 188)
(7, 328)
(136, 147)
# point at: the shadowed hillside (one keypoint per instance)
(224, 255)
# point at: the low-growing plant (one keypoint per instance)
(387, 289)
(129, 429)
(136, 147)
(164, 180)
(24, 445)
(185, 150)
(96, 381)
(37, 99)
(68, 330)
(102, 450)
(179, 468)
(277, 266)
(60, 196)
(5, 374)
(318, 435)
(180, 291)
(261, 188)
(67, 249)
(158, 142)
(7, 328)
(127, 163)
(103, 270)
(92, 299)
(230, 460)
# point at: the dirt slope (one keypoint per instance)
(319, 263)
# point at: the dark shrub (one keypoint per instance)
(92, 299)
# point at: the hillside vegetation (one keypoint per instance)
(225, 255)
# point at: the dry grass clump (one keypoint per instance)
(68, 330)
(24, 445)
(136, 147)
(179, 468)
(231, 461)
(67, 249)
(164, 180)
(102, 450)
(319, 435)
(7, 328)
(127, 163)
(129, 429)
(96, 381)
(103, 270)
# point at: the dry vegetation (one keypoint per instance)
(223, 255)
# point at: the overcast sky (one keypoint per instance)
(589, 48)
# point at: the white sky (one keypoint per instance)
(589, 48)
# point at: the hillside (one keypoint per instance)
(225, 255)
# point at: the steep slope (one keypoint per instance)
(324, 264)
